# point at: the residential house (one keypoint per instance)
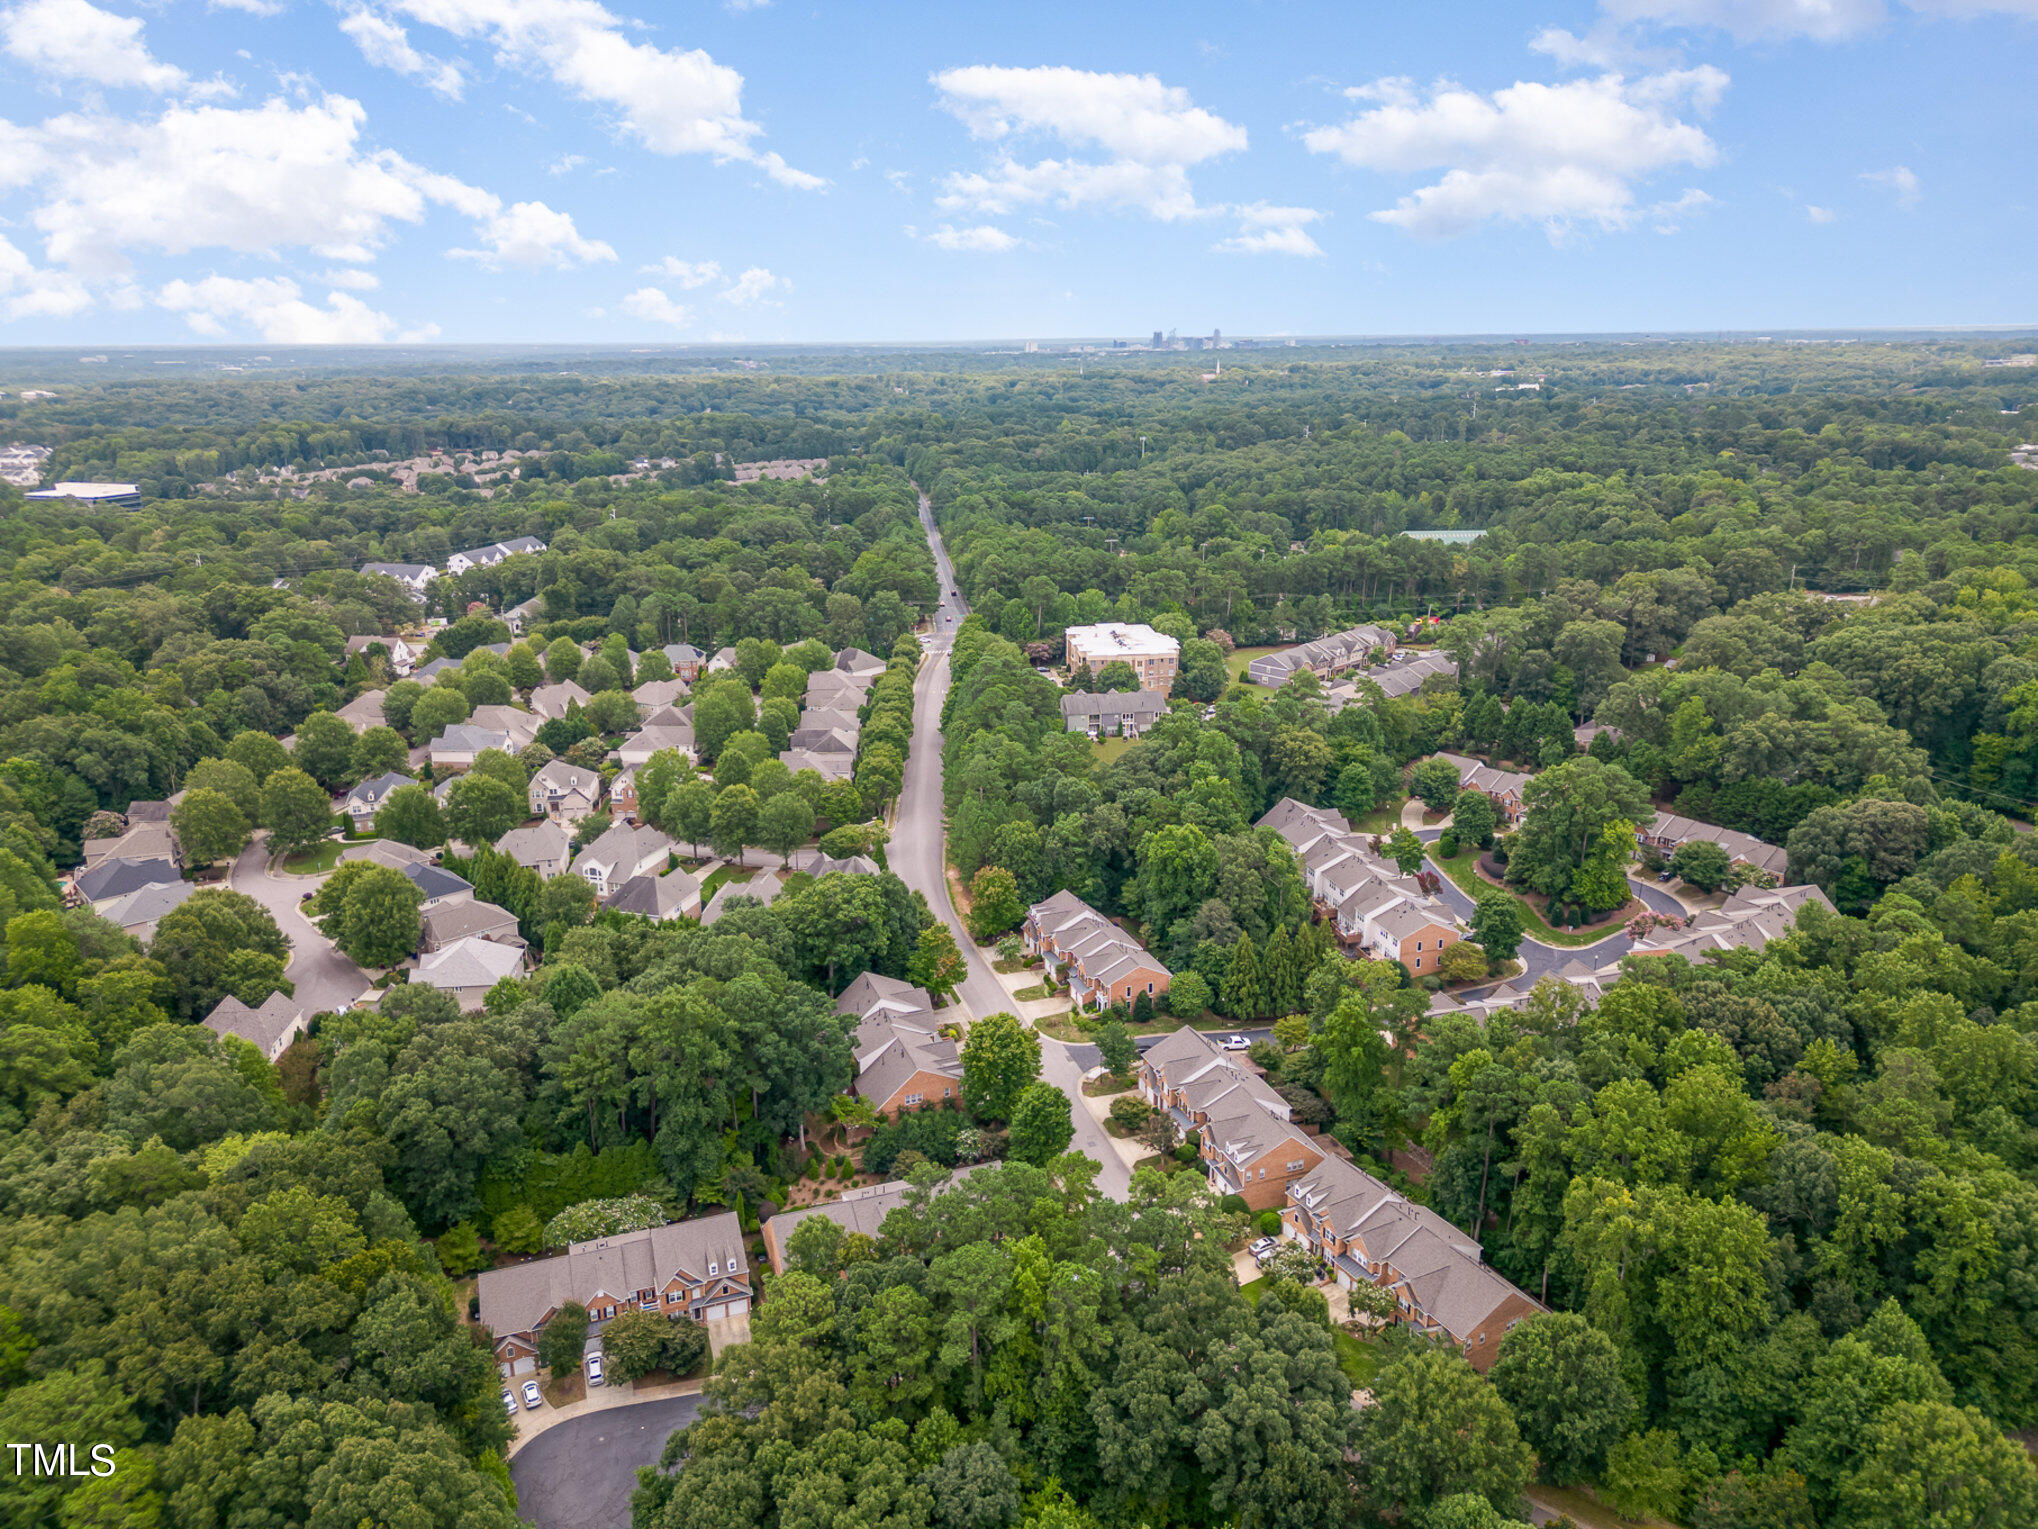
(546, 849)
(144, 839)
(367, 799)
(388, 852)
(676, 894)
(457, 746)
(1251, 1146)
(107, 880)
(686, 660)
(550, 701)
(428, 674)
(1369, 1234)
(857, 1211)
(623, 795)
(269, 1029)
(902, 1059)
(815, 862)
(414, 577)
(402, 656)
(1113, 714)
(438, 884)
(860, 665)
(823, 740)
(622, 852)
(447, 924)
(1515, 992)
(1668, 831)
(691, 1269)
(138, 912)
(1152, 657)
(638, 748)
(655, 695)
(565, 792)
(830, 767)
(833, 690)
(1101, 962)
(520, 725)
(523, 615)
(468, 968)
(764, 888)
(493, 553)
(1375, 910)
(364, 711)
(1503, 788)
(1407, 673)
(1335, 654)
(825, 717)
(724, 660)
(1748, 920)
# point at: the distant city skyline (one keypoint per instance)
(281, 171)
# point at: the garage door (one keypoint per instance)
(524, 1366)
(715, 1312)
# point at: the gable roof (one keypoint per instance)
(622, 844)
(659, 897)
(371, 792)
(541, 843)
(469, 963)
(518, 1299)
(764, 887)
(446, 922)
(461, 738)
(146, 905)
(262, 1027)
(118, 877)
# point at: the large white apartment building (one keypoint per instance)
(1153, 657)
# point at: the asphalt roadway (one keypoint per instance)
(324, 978)
(917, 855)
(580, 1474)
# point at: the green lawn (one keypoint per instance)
(1359, 1359)
(1460, 868)
(317, 863)
(1383, 819)
(1240, 657)
(727, 873)
(1108, 749)
(1029, 994)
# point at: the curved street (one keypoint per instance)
(579, 1474)
(917, 855)
(324, 978)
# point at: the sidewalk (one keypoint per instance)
(598, 1399)
(1129, 1151)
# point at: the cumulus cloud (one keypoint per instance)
(755, 285)
(1900, 181)
(688, 273)
(1148, 134)
(671, 101)
(1829, 21)
(1264, 229)
(29, 292)
(353, 279)
(1561, 155)
(386, 45)
(274, 308)
(979, 239)
(653, 306)
(72, 40)
(1820, 214)
(532, 235)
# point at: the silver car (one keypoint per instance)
(533, 1397)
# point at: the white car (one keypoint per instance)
(1235, 1043)
(1261, 1248)
(594, 1369)
(533, 1398)
(509, 1403)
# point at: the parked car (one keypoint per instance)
(1235, 1043)
(533, 1397)
(509, 1403)
(1260, 1248)
(594, 1369)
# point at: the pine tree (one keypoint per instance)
(1245, 985)
(1283, 972)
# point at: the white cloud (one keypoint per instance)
(353, 279)
(252, 7)
(1900, 181)
(69, 39)
(566, 164)
(654, 306)
(1820, 214)
(27, 292)
(688, 273)
(386, 45)
(1752, 20)
(532, 235)
(755, 285)
(1264, 229)
(672, 102)
(1560, 155)
(274, 308)
(981, 239)
(1150, 134)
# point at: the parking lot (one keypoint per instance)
(580, 1474)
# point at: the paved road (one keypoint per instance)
(916, 855)
(1538, 958)
(580, 1474)
(324, 978)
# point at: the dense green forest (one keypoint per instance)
(1783, 1203)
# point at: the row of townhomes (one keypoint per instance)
(1101, 963)
(860, 1212)
(691, 1269)
(1503, 788)
(1669, 832)
(1113, 713)
(1357, 1226)
(417, 577)
(1152, 657)
(1335, 654)
(1402, 675)
(902, 1059)
(1376, 911)
(830, 727)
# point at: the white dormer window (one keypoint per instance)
(714, 1268)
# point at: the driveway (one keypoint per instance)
(917, 856)
(580, 1474)
(1537, 958)
(325, 979)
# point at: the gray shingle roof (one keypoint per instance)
(118, 877)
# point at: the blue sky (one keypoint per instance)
(534, 170)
